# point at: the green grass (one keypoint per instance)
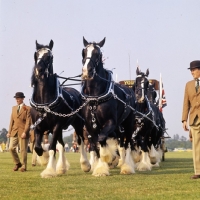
(170, 181)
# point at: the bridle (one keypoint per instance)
(47, 66)
(95, 62)
(142, 88)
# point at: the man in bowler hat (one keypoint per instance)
(191, 114)
(18, 132)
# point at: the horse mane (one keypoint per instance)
(33, 79)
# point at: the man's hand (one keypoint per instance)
(8, 135)
(23, 136)
(185, 127)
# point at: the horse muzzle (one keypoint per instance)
(87, 76)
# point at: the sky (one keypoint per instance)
(162, 36)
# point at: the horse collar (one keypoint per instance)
(50, 105)
(102, 98)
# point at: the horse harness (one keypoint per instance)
(94, 101)
(43, 109)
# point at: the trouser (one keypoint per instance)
(195, 131)
(23, 145)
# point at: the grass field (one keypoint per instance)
(170, 181)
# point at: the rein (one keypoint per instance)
(69, 78)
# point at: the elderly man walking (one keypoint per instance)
(191, 108)
(18, 132)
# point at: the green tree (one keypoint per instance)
(174, 143)
(3, 133)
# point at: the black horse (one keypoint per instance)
(53, 109)
(108, 114)
(159, 140)
(148, 122)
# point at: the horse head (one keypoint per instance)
(141, 85)
(43, 61)
(151, 93)
(92, 58)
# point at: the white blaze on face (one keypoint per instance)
(142, 89)
(89, 55)
(41, 53)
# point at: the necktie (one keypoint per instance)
(197, 85)
(18, 109)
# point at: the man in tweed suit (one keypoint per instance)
(18, 132)
(191, 107)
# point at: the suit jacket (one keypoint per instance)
(20, 122)
(191, 103)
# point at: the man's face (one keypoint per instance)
(195, 73)
(19, 100)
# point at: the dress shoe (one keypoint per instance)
(195, 177)
(33, 165)
(23, 170)
(17, 166)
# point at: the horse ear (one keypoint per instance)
(37, 45)
(85, 42)
(35, 57)
(51, 45)
(147, 72)
(137, 71)
(102, 42)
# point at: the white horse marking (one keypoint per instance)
(90, 48)
(41, 53)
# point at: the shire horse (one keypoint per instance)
(108, 114)
(151, 95)
(148, 123)
(54, 109)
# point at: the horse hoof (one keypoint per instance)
(39, 151)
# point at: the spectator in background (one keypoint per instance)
(66, 147)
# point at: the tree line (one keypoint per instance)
(178, 142)
(175, 142)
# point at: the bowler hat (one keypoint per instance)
(194, 64)
(19, 95)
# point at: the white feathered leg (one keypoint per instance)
(85, 165)
(136, 155)
(144, 164)
(93, 160)
(50, 170)
(62, 163)
(101, 169)
(128, 166)
(122, 156)
(154, 157)
(108, 152)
